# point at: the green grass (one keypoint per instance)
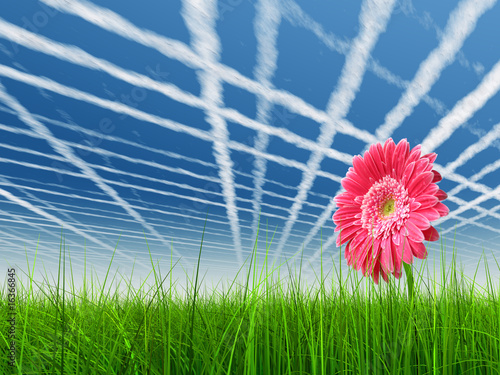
(262, 326)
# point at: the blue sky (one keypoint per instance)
(136, 118)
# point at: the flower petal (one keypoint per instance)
(378, 159)
(397, 238)
(437, 176)
(418, 249)
(372, 258)
(430, 213)
(347, 253)
(352, 186)
(414, 205)
(421, 166)
(386, 256)
(347, 234)
(427, 201)
(347, 223)
(406, 251)
(419, 184)
(399, 158)
(384, 275)
(408, 173)
(376, 272)
(415, 154)
(361, 181)
(389, 147)
(396, 255)
(419, 220)
(360, 166)
(357, 253)
(431, 234)
(374, 165)
(345, 213)
(432, 189)
(345, 198)
(372, 250)
(414, 233)
(432, 157)
(441, 195)
(442, 209)
(398, 275)
(363, 248)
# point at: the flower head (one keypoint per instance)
(385, 213)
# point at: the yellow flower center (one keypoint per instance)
(389, 207)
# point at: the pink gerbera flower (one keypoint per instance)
(385, 213)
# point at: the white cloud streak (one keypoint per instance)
(170, 154)
(295, 15)
(373, 20)
(69, 155)
(463, 110)
(62, 223)
(133, 160)
(20, 219)
(492, 193)
(189, 198)
(47, 84)
(200, 19)
(114, 23)
(266, 25)
(174, 46)
(474, 149)
(483, 212)
(77, 56)
(461, 23)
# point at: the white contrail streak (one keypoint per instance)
(324, 218)
(461, 23)
(488, 169)
(111, 215)
(232, 144)
(485, 170)
(68, 153)
(12, 215)
(189, 198)
(473, 220)
(200, 19)
(148, 163)
(50, 85)
(98, 135)
(240, 148)
(266, 27)
(373, 20)
(463, 110)
(493, 193)
(297, 16)
(474, 149)
(108, 20)
(61, 223)
(77, 56)
(47, 84)
(48, 206)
